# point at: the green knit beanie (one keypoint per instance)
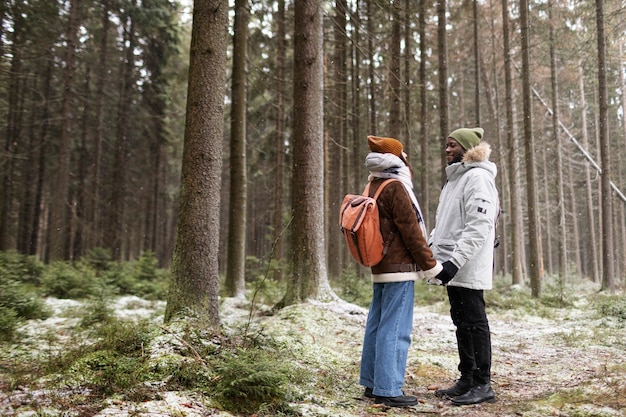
(467, 138)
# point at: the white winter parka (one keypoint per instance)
(464, 230)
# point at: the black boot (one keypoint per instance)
(461, 387)
(477, 395)
(399, 401)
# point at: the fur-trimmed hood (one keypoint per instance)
(476, 157)
(478, 153)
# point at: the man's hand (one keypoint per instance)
(447, 273)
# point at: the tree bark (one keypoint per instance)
(442, 50)
(8, 231)
(536, 268)
(117, 228)
(101, 81)
(561, 229)
(373, 96)
(279, 188)
(59, 227)
(195, 269)
(307, 258)
(608, 280)
(594, 269)
(394, 127)
(513, 161)
(423, 112)
(337, 169)
(236, 269)
(406, 82)
(476, 64)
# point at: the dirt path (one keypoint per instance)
(568, 365)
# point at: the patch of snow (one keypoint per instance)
(572, 351)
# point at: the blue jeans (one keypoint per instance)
(387, 338)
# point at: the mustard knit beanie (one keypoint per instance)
(467, 138)
(385, 145)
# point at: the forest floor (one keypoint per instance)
(546, 362)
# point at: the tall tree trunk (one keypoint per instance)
(337, 169)
(236, 271)
(38, 219)
(394, 127)
(442, 50)
(358, 152)
(195, 269)
(536, 272)
(476, 65)
(591, 220)
(608, 256)
(545, 228)
(159, 50)
(25, 191)
(8, 187)
(116, 215)
(561, 229)
(492, 92)
(622, 215)
(307, 261)
(406, 81)
(491, 95)
(279, 189)
(423, 134)
(514, 196)
(576, 238)
(59, 228)
(373, 96)
(80, 191)
(101, 81)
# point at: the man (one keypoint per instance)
(390, 319)
(463, 241)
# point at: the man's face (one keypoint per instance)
(454, 151)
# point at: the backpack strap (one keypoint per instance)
(366, 191)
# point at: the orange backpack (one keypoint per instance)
(360, 226)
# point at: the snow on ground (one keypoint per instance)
(573, 354)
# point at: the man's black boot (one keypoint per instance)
(477, 395)
(399, 401)
(461, 387)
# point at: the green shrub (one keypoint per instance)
(188, 374)
(250, 379)
(65, 280)
(23, 302)
(20, 268)
(99, 259)
(98, 310)
(17, 301)
(116, 364)
(146, 267)
(140, 277)
(8, 323)
(613, 306)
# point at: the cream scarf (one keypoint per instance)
(387, 165)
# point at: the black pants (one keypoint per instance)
(467, 309)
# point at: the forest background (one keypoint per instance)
(93, 113)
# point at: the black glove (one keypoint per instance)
(447, 273)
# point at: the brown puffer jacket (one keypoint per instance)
(408, 250)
